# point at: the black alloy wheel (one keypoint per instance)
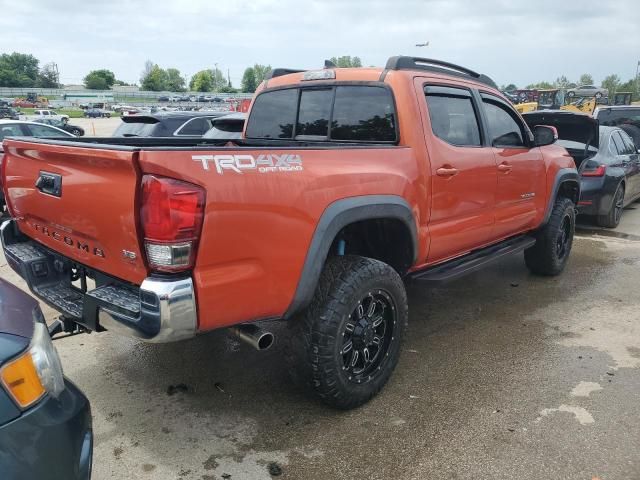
(367, 335)
(563, 241)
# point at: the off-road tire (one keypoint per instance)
(612, 218)
(315, 339)
(546, 257)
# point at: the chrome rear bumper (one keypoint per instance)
(160, 310)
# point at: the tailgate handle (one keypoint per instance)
(49, 183)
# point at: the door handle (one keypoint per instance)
(446, 171)
(505, 167)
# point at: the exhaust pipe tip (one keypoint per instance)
(253, 335)
(265, 341)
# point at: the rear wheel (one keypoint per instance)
(598, 94)
(553, 244)
(612, 218)
(346, 344)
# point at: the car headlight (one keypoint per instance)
(36, 371)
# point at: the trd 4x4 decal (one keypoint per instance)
(287, 162)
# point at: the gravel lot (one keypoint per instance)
(504, 375)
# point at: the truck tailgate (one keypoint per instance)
(79, 201)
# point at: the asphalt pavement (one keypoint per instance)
(504, 375)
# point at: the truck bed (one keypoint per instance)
(175, 143)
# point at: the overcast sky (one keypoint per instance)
(519, 41)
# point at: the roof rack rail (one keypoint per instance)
(278, 72)
(438, 66)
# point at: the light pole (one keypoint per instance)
(637, 71)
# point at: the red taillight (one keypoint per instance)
(171, 216)
(597, 172)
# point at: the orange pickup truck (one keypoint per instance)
(345, 182)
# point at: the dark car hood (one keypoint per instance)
(16, 311)
(574, 127)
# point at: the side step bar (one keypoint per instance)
(472, 261)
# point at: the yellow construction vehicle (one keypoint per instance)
(549, 99)
(554, 99)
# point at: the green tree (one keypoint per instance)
(561, 82)
(510, 88)
(156, 80)
(202, 81)
(99, 79)
(148, 66)
(18, 70)
(260, 71)
(48, 76)
(249, 83)
(586, 79)
(611, 83)
(123, 83)
(346, 61)
(175, 81)
(228, 89)
(629, 86)
(540, 86)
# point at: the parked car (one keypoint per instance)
(163, 98)
(626, 117)
(22, 103)
(227, 127)
(166, 124)
(20, 128)
(420, 169)
(587, 91)
(47, 114)
(607, 161)
(67, 127)
(96, 113)
(45, 420)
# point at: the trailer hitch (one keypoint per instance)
(64, 327)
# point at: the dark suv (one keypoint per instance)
(167, 124)
(626, 117)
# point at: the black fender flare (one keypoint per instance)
(336, 216)
(564, 175)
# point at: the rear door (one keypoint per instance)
(627, 159)
(520, 169)
(463, 172)
(79, 201)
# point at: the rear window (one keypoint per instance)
(621, 116)
(345, 113)
(135, 129)
(273, 114)
(145, 128)
(195, 126)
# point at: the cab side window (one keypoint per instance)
(629, 146)
(504, 129)
(453, 117)
(618, 143)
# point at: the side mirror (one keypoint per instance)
(544, 135)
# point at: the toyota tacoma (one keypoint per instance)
(345, 183)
